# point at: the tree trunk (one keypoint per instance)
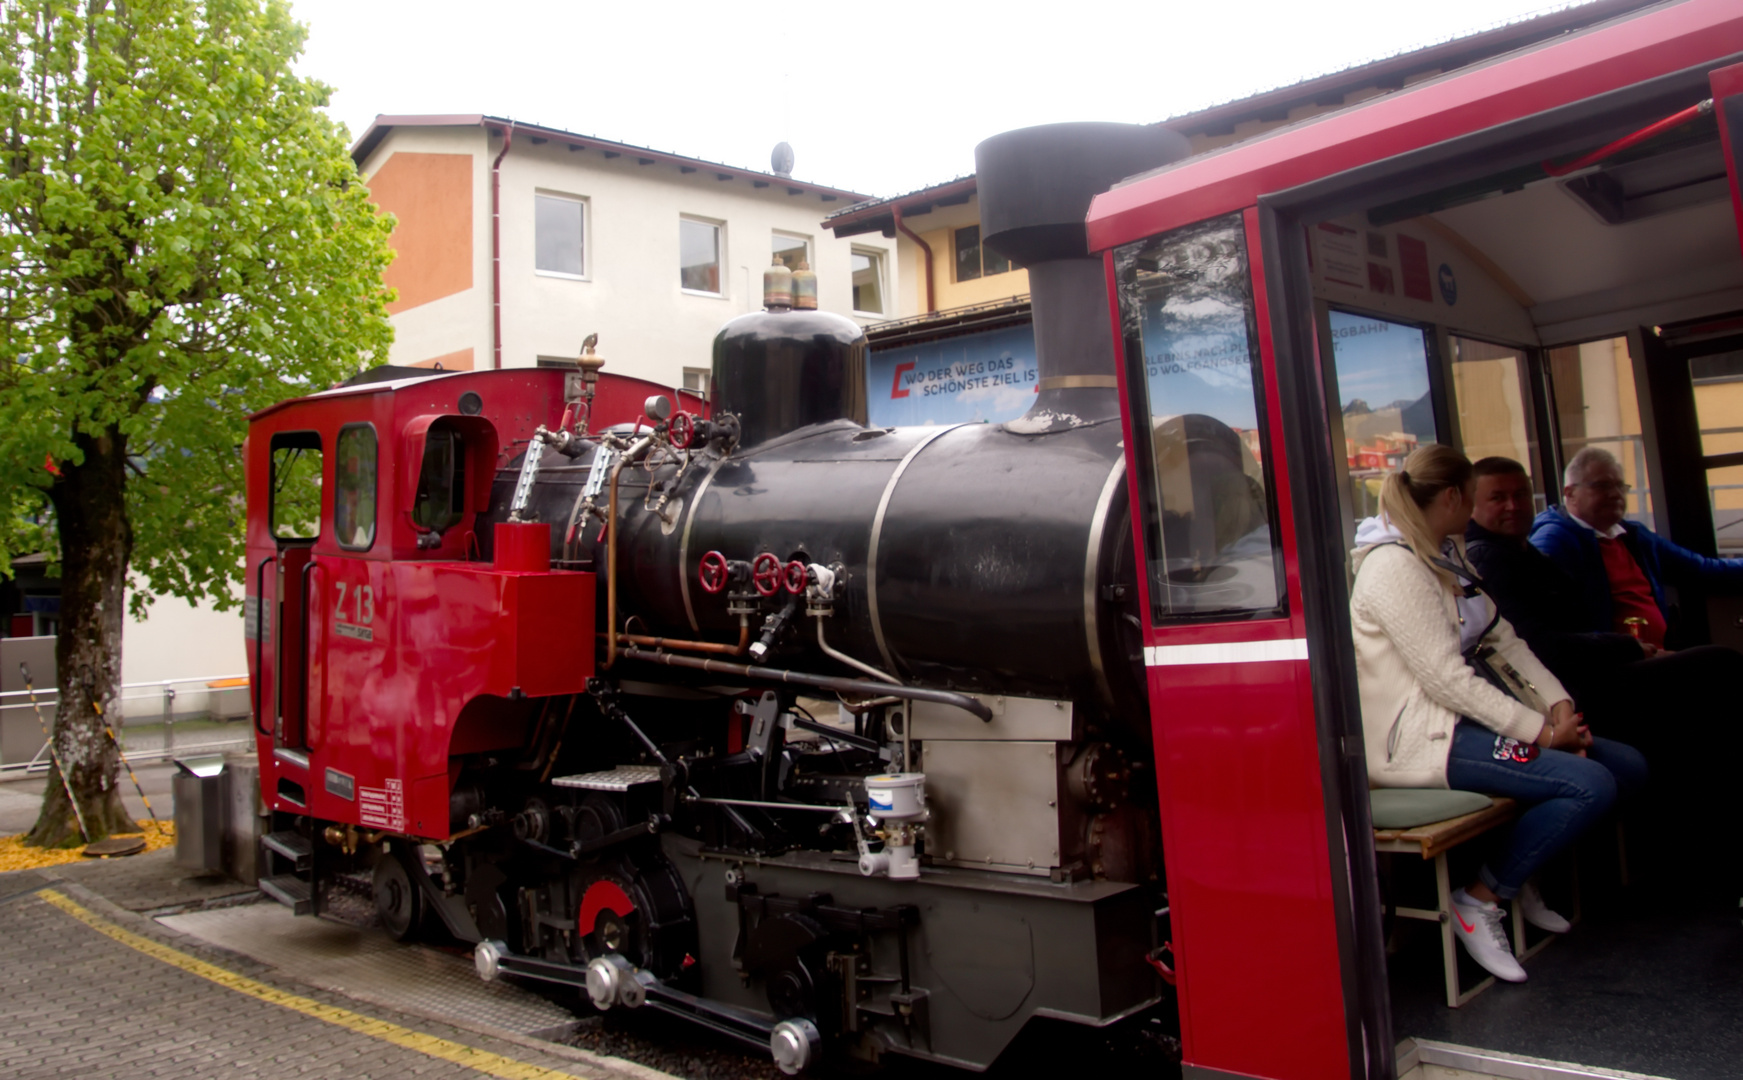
(96, 539)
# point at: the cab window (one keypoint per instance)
(296, 485)
(354, 485)
(1193, 362)
(441, 497)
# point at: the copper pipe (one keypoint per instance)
(694, 646)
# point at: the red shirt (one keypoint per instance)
(1630, 592)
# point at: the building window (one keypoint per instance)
(560, 228)
(868, 282)
(696, 380)
(699, 256)
(354, 488)
(973, 260)
(792, 250)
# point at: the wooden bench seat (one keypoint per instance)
(1438, 837)
(1432, 841)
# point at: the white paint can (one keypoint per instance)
(896, 796)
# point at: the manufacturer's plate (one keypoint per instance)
(341, 784)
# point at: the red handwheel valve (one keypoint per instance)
(793, 577)
(1163, 968)
(766, 573)
(681, 430)
(712, 572)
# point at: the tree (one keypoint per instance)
(183, 240)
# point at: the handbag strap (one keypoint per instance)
(1472, 585)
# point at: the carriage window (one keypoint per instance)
(1383, 393)
(1187, 308)
(296, 485)
(354, 488)
(442, 483)
(1595, 405)
(1492, 393)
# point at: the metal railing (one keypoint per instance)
(148, 744)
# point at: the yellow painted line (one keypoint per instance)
(471, 1057)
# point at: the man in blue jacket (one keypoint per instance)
(1622, 566)
(1654, 703)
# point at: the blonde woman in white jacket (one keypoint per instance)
(1428, 718)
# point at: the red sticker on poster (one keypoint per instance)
(1413, 268)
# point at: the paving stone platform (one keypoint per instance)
(112, 993)
(367, 965)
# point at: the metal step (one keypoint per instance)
(621, 778)
(291, 891)
(292, 845)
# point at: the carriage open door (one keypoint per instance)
(1450, 216)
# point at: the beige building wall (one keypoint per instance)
(436, 319)
(938, 229)
(1719, 406)
(629, 292)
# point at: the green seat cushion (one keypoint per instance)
(1406, 808)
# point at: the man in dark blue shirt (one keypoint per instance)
(1629, 689)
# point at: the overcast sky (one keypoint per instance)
(878, 99)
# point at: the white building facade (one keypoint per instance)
(652, 251)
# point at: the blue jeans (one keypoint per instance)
(1563, 794)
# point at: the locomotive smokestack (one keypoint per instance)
(1035, 187)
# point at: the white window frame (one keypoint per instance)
(707, 376)
(880, 258)
(719, 228)
(801, 237)
(586, 234)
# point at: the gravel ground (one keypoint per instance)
(670, 1045)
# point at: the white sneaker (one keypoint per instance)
(1478, 926)
(1537, 912)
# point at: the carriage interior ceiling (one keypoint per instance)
(1573, 270)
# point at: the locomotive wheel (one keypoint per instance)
(397, 899)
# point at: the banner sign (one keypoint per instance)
(988, 376)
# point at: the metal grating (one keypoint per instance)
(621, 778)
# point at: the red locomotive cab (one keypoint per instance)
(389, 629)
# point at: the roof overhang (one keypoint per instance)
(1605, 58)
(879, 215)
(384, 124)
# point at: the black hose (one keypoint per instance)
(821, 682)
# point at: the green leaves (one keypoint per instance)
(184, 240)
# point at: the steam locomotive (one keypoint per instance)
(828, 737)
